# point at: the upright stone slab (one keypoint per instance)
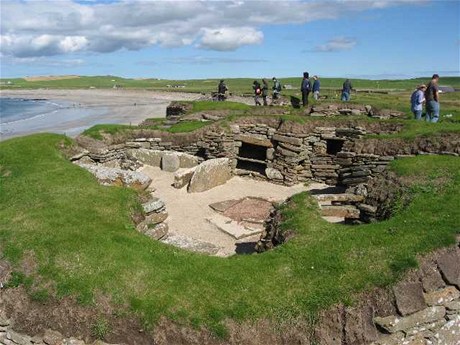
(170, 162)
(146, 156)
(210, 174)
(409, 297)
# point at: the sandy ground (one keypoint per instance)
(188, 211)
(85, 108)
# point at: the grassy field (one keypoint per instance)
(84, 243)
(450, 106)
(235, 85)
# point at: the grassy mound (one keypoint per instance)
(83, 243)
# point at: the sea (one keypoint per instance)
(20, 116)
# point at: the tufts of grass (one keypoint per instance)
(100, 328)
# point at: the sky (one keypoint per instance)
(381, 39)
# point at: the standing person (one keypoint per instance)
(257, 91)
(416, 101)
(264, 91)
(432, 100)
(346, 90)
(316, 87)
(221, 90)
(276, 88)
(305, 88)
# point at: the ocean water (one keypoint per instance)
(26, 116)
(17, 109)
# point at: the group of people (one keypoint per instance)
(428, 94)
(261, 90)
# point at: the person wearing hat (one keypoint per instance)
(305, 88)
(432, 100)
(316, 87)
(221, 90)
(416, 101)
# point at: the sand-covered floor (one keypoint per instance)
(82, 109)
(188, 211)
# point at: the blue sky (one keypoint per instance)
(202, 39)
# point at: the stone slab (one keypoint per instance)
(449, 264)
(340, 211)
(223, 205)
(233, 228)
(395, 324)
(210, 174)
(191, 244)
(409, 297)
(440, 297)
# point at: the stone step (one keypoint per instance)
(334, 219)
(326, 199)
(191, 244)
(233, 228)
(347, 211)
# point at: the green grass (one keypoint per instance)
(85, 244)
(235, 85)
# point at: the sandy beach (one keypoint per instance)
(82, 109)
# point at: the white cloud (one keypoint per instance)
(225, 39)
(337, 44)
(50, 27)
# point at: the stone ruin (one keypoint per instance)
(278, 151)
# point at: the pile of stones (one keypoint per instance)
(153, 225)
(320, 110)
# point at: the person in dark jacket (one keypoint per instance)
(221, 90)
(264, 91)
(257, 91)
(276, 88)
(432, 100)
(346, 90)
(305, 88)
(316, 87)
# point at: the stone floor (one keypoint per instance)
(189, 213)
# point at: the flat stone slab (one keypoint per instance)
(233, 228)
(340, 211)
(191, 244)
(343, 197)
(223, 205)
(395, 324)
(440, 297)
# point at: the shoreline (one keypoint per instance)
(90, 107)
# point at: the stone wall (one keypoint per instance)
(284, 152)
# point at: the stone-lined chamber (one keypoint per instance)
(283, 152)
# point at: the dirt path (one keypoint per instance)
(188, 211)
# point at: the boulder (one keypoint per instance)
(170, 162)
(273, 174)
(210, 174)
(182, 177)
